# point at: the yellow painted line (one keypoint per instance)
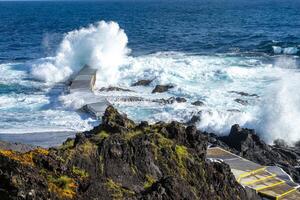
(269, 186)
(258, 180)
(250, 173)
(281, 195)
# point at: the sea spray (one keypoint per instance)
(280, 110)
(102, 46)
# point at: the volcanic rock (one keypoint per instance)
(120, 160)
(143, 82)
(162, 88)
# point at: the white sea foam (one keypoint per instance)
(210, 79)
(286, 50)
(102, 46)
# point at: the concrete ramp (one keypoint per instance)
(270, 182)
(82, 86)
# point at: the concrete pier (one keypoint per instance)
(83, 86)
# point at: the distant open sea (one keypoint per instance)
(211, 50)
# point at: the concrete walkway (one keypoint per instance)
(270, 182)
(83, 86)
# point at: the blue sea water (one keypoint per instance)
(207, 48)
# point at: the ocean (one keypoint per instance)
(239, 57)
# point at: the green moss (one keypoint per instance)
(181, 151)
(149, 182)
(181, 155)
(101, 164)
(103, 135)
(133, 168)
(164, 142)
(118, 192)
(132, 134)
(80, 172)
(67, 144)
(87, 148)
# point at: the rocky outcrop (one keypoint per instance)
(120, 160)
(143, 82)
(162, 88)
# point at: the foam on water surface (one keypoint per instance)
(220, 81)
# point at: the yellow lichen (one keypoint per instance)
(64, 187)
(24, 158)
(149, 182)
(118, 192)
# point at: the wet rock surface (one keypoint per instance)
(244, 94)
(143, 82)
(162, 88)
(242, 101)
(120, 160)
(111, 88)
(198, 103)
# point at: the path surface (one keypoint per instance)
(83, 86)
(268, 181)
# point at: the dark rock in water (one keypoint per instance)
(162, 88)
(241, 101)
(120, 160)
(180, 99)
(111, 88)
(244, 94)
(194, 119)
(198, 103)
(233, 110)
(170, 100)
(144, 82)
(131, 99)
(247, 144)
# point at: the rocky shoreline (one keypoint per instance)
(120, 159)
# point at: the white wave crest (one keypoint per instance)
(102, 46)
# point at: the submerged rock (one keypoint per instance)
(170, 100)
(112, 88)
(162, 88)
(198, 103)
(120, 160)
(244, 94)
(241, 101)
(143, 82)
